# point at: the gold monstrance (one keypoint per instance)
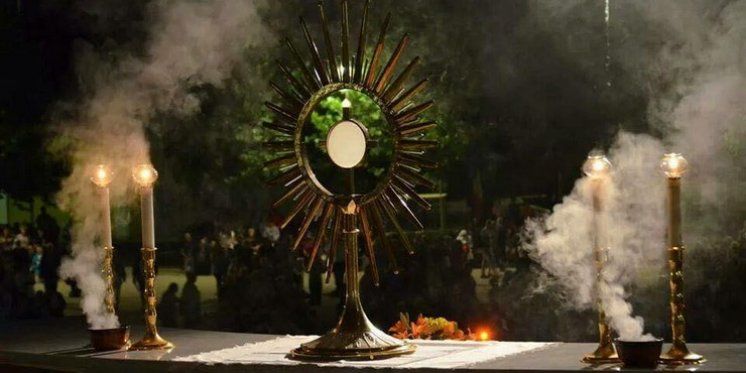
(347, 142)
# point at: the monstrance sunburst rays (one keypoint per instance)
(307, 84)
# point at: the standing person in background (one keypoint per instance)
(22, 239)
(270, 232)
(462, 247)
(488, 235)
(514, 224)
(202, 257)
(191, 302)
(22, 282)
(65, 244)
(48, 225)
(168, 306)
(219, 259)
(499, 239)
(252, 243)
(188, 251)
(35, 267)
(6, 239)
(50, 265)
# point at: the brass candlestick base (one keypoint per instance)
(605, 353)
(602, 355)
(354, 337)
(151, 340)
(678, 354)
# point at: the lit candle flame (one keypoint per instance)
(596, 166)
(101, 176)
(674, 165)
(145, 175)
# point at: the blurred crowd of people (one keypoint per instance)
(30, 254)
(259, 278)
(231, 257)
(260, 281)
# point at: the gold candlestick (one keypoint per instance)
(597, 168)
(674, 166)
(108, 273)
(102, 177)
(145, 175)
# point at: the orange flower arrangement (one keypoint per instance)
(436, 328)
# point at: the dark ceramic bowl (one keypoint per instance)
(110, 339)
(639, 354)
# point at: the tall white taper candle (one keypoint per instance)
(148, 222)
(106, 223)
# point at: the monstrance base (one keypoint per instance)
(371, 344)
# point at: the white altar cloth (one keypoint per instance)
(431, 354)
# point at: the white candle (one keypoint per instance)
(102, 178)
(145, 175)
(106, 211)
(148, 222)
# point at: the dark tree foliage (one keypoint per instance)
(518, 102)
(31, 36)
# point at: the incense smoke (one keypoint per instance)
(563, 242)
(696, 84)
(190, 43)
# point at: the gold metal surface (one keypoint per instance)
(151, 340)
(354, 337)
(605, 352)
(334, 215)
(108, 272)
(679, 353)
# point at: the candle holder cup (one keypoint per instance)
(110, 339)
(639, 354)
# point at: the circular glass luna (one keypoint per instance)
(346, 144)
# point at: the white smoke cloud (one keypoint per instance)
(563, 242)
(696, 81)
(190, 43)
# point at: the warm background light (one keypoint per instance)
(144, 174)
(484, 335)
(674, 165)
(596, 166)
(102, 176)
